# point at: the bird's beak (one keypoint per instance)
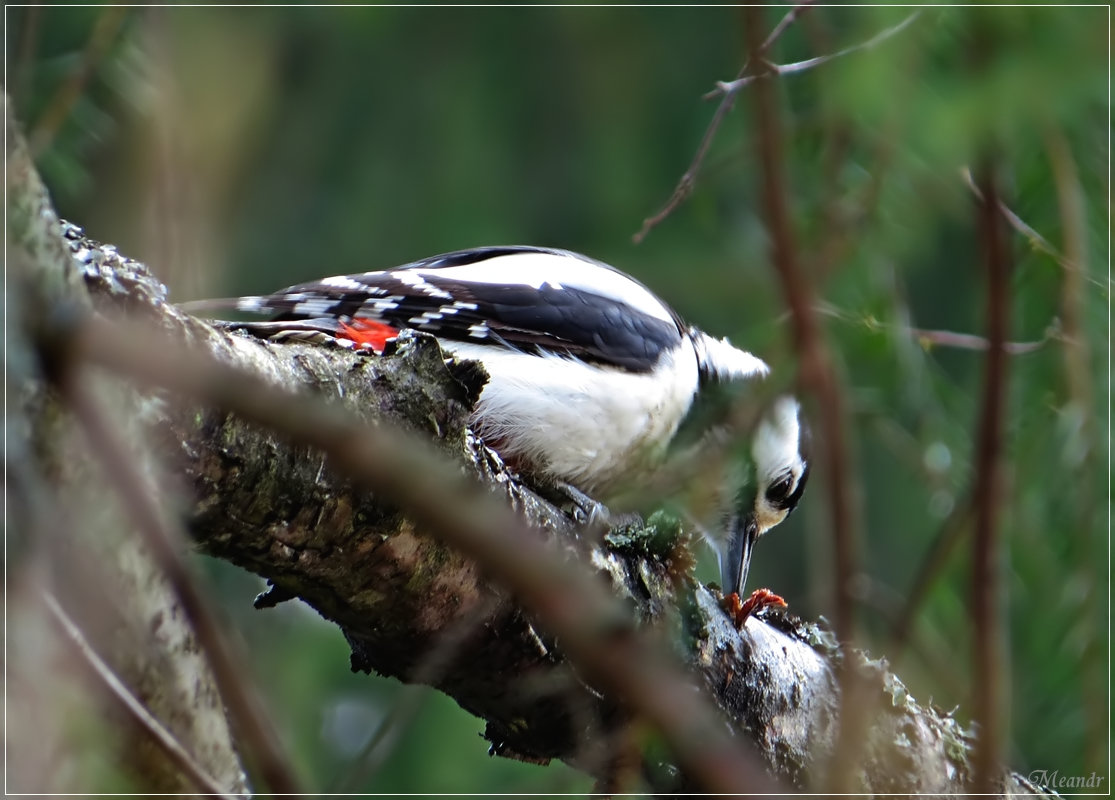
(737, 562)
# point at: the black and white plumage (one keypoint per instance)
(590, 373)
(517, 298)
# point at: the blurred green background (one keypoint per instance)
(239, 150)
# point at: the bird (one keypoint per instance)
(589, 372)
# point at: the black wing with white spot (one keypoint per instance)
(527, 298)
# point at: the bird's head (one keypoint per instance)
(780, 452)
(780, 456)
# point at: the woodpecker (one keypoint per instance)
(590, 373)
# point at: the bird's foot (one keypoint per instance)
(591, 515)
(739, 611)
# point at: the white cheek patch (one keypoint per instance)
(777, 442)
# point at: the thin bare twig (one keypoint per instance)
(729, 88)
(687, 181)
(968, 341)
(940, 338)
(782, 25)
(595, 632)
(987, 496)
(162, 738)
(1035, 239)
(241, 698)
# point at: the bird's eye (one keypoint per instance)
(780, 490)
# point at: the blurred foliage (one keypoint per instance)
(238, 150)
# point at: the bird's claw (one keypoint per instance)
(590, 514)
